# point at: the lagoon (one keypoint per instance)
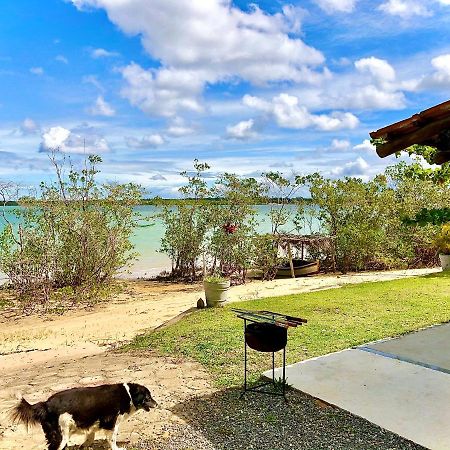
(147, 239)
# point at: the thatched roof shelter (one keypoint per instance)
(430, 127)
(303, 242)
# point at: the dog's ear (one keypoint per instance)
(137, 394)
(141, 397)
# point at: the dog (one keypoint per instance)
(85, 410)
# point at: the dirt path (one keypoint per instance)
(43, 355)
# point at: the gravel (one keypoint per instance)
(222, 421)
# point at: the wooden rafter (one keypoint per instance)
(429, 127)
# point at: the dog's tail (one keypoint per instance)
(29, 414)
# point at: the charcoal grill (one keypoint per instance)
(266, 331)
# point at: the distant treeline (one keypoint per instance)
(158, 201)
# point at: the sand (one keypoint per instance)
(41, 355)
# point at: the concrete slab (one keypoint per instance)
(408, 399)
(429, 348)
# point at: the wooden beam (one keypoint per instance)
(291, 263)
(442, 157)
(420, 136)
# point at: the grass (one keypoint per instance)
(337, 319)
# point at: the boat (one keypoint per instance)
(302, 268)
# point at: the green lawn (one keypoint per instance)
(337, 319)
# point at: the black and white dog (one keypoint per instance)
(85, 411)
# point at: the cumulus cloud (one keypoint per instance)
(365, 146)
(243, 130)
(97, 53)
(101, 108)
(163, 92)
(178, 128)
(149, 141)
(440, 77)
(340, 145)
(356, 168)
(83, 139)
(29, 126)
(380, 69)
(405, 8)
(62, 59)
(289, 113)
(204, 42)
(376, 88)
(92, 79)
(37, 70)
(331, 6)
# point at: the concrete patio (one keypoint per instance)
(402, 385)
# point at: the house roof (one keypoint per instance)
(429, 127)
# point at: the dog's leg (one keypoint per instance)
(53, 435)
(90, 438)
(65, 421)
(111, 437)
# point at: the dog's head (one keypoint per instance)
(141, 396)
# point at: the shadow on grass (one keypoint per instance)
(262, 422)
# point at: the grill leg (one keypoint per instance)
(273, 368)
(245, 361)
(284, 373)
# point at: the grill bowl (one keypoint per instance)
(265, 337)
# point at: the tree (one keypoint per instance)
(187, 223)
(76, 234)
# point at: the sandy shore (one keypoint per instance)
(42, 355)
(145, 305)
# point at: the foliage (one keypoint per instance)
(442, 240)
(230, 245)
(337, 319)
(282, 191)
(187, 223)
(367, 219)
(216, 279)
(430, 216)
(75, 235)
(353, 212)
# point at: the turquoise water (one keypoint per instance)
(147, 240)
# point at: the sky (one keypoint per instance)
(249, 87)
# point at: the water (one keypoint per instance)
(147, 240)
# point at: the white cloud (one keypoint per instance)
(340, 145)
(178, 128)
(289, 113)
(83, 139)
(440, 77)
(92, 79)
(331, 6)
(356, 168)
(37, 70)
(163, 92)
(149, 141)
(243, 130)
(380, 69)
(62, 58)
(29, 126)
(97, 53)
(374, 87)
(405, 8)
(365, 146)
(200, 42)
(101, 108)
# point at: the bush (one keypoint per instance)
(77, 234)
(186, 224)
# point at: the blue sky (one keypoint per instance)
(247, 86)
